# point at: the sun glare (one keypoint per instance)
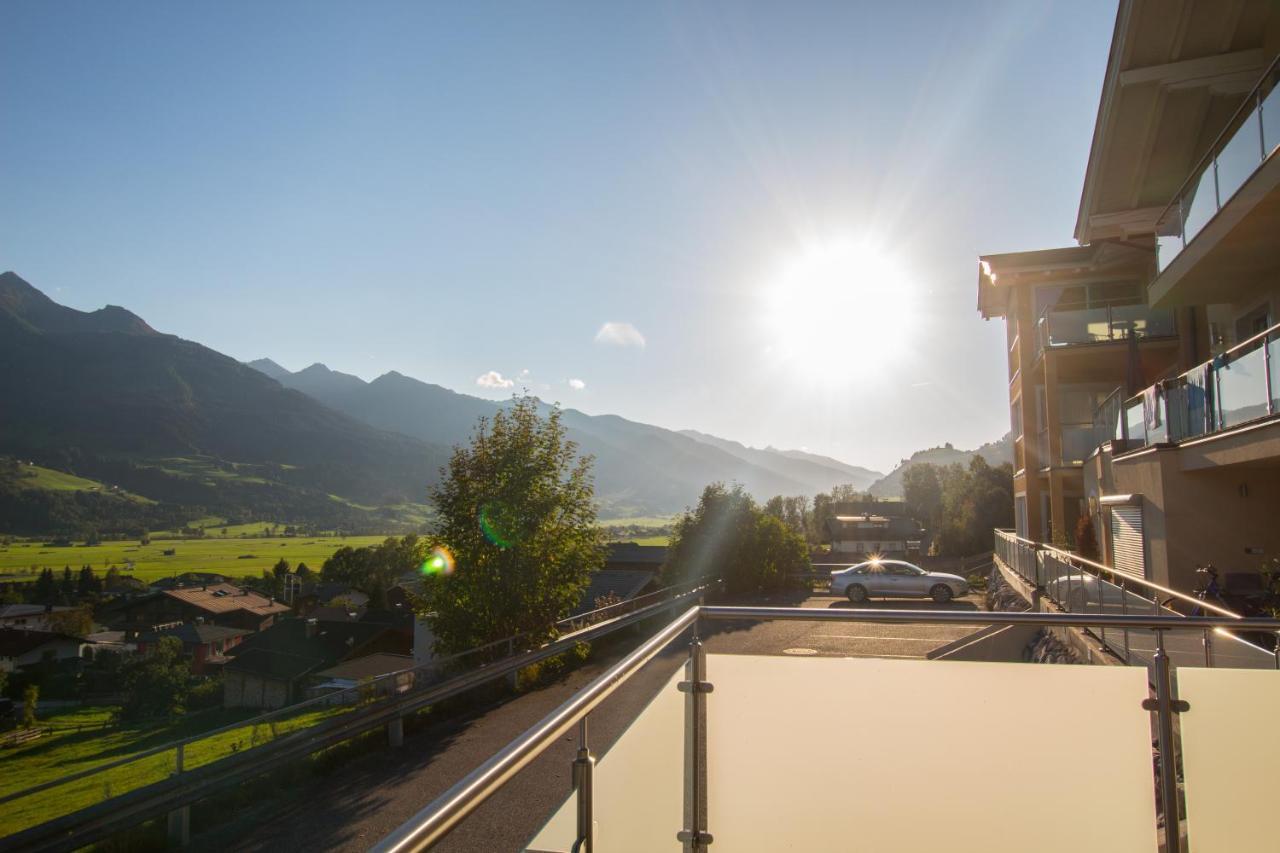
(841, 304)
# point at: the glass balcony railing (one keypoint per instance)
(1106, 323)
(1077, 443)
(1248, 140)
(1235, 388)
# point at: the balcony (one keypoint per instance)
(1104, 324)
(1239, 387)
(754, 752)
(1218, 255)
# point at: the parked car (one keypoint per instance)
(896, 579)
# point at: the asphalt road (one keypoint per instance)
(355, 806)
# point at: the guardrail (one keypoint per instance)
(1249, 138)
(178, 773)
(1077, 585)
(1232, 389)
(446, 812)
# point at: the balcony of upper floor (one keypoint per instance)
(1177, 74)
(1216, 239)
(1225, 411)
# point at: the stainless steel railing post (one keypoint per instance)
(694, 836)
(584, 767)
(1168, 767)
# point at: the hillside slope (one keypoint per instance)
(104, 395)
(994, 452)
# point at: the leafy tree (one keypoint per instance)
(304, 571)
(155, 684)
(922, 494)
(67, 589)
(375, 569)
(516, 508)
(30, 699)
(76, 622)
(727, 536)
(974, 501)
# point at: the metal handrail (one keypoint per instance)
(442, 815)
(1215, 148)
(1128, 578)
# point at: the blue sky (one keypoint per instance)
(457, 191)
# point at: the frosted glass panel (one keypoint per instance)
(895, 755)
(639, 784)
(1230, 748)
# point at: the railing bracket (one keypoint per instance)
(697, 839)
(695, 686)
(1177, 706)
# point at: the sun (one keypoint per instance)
(842, 304)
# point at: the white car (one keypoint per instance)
(895, 579)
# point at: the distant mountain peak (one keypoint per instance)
(269, 367)
(38, 313)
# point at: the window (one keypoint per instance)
(1078, 297)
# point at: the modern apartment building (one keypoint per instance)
(1144, 362)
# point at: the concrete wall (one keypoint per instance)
(1216, 515)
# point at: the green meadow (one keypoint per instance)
(77, 741)
(229, 556)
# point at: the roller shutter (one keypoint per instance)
(1127, 540)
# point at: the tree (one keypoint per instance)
(922, 494)
(67, 589)
(155, 685)
(88, 584)
(46, 586)
(375, 569)
(974, 502)
(30, 699)
(1086, 541)
(727, 536)
(304, 572)
(516, 509)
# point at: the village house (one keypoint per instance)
(20, 648)
(217, 604)
(204, 644)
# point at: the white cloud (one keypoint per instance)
(577, 384)
(494, 379)
(620, 335)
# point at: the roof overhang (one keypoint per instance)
(999, 274)
(1175, 74)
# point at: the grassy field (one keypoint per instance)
(639, 521)
(646, 540)
(233, 557)
(36, 477)
(71, 748)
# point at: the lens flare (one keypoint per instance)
(496, 525)
(439, 562)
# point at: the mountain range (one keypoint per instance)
(105, 395)
(639, 469)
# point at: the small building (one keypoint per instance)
(885, 535)
(205, 645)
(352, 673)
(271, 669)
(635, 557)
(19, 648)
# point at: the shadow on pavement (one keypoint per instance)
(904, 604)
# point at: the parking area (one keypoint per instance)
(844, 639)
